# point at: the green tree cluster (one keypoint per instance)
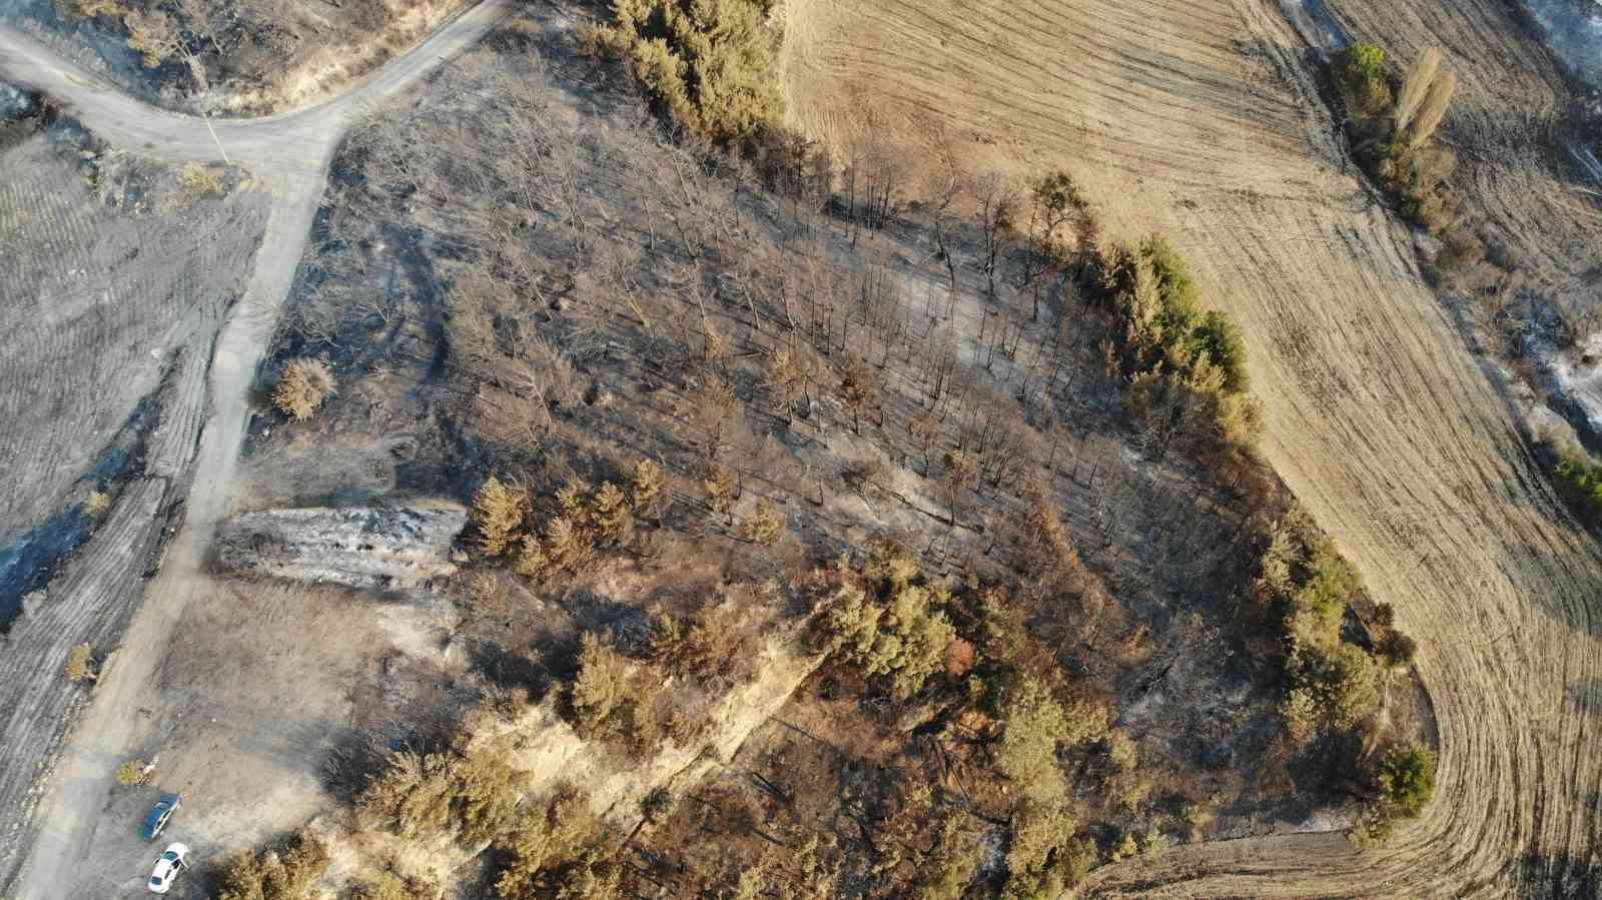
(1034, 725)
(472, 796)
(707, 63)
(888, 624)
(1044, 857)
(558, 849)
(612, 699)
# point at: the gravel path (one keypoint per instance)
(289, 155)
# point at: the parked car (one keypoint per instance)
(173, 860)
(157, 820)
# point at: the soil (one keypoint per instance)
(112, 304)
(1400, 441)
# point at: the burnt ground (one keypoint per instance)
(115, 273)
(608, 300)
(249, 58)
(118, 283)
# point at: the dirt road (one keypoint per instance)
(289, 154)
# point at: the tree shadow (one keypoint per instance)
(1586, 695)
(1559, 876)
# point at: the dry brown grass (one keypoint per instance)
(80, 664)
(303, 386)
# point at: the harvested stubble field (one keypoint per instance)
(1402, 444)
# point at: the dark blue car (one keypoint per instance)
(157, 820)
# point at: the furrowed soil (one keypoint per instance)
(1203, 121)
(110, 305)
(112, 293)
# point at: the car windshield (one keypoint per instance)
(169, 856)
(155, 880)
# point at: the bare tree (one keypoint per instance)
(961, 469)
(997, 210)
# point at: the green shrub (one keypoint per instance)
(498, 510)
(1035, 724)
(1341, 680)
(951, 864)
(1165, 329)
(1406, 779)
(645, 486)
(558, 849)
(764, 525)
(1396, 650)
(1326, 585)
(1174, 285)
(612, 700)
(1360, 73)
(1580, 483)
(902, 640)
(131, 772)
(707, 63)
(473, 797)
(1044, 858)
(1218, 340)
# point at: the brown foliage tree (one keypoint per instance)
(498, 510)
(303, 387)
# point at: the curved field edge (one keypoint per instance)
(1204, 123)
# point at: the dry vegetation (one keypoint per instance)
(303, 386)
(1392, 128)
(1091, 623)
(287, 873)
(259, 56)
(81, 664)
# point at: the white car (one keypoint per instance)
(173, 860)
